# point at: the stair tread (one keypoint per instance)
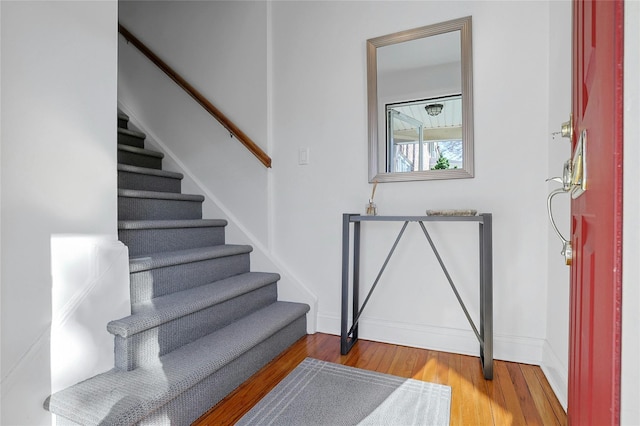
(170, 224)
(126, 397)
(147, 171)
(213, 286)
(171, 258)
(133, 133)
(137, 193)
(150, 314)
(140, 151)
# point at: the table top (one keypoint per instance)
(356, 217)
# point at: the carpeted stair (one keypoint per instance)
(201, 322)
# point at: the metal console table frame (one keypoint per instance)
(349, 336)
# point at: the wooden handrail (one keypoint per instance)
(198, 97)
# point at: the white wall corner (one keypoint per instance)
(525, 350)
(290, 288)
(90, 280)
(555, 351)
(556, 373)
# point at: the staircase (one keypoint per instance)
(201, 322)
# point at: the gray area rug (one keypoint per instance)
(322, 393)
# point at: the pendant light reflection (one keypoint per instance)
(434, 109)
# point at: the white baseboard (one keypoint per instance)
(509, 348)
(556, 373)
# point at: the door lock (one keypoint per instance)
(566, 129)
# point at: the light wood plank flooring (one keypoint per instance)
(519, 394)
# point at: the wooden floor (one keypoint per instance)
(519, 394)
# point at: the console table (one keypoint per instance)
(349, 336)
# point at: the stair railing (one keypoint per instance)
(198, 97)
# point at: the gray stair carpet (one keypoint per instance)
(131, 137)
(170, 235)
(126, 397)
(140, 157)
(201, 321)
(157, 274)
(141, 178)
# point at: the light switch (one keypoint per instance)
(303, 156)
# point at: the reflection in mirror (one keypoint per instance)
(420, 103)
(424, 135)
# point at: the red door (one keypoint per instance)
(596, 225)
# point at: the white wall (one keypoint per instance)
(319, 102)
(316, 98)
(220, 48)
(318, 87)
(58, 172)
(555, 357)
(630, 386)
(51, 101)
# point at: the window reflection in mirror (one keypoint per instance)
(409, 73)
(424, 135)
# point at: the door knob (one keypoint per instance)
(566, 180)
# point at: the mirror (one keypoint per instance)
(420, 103)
